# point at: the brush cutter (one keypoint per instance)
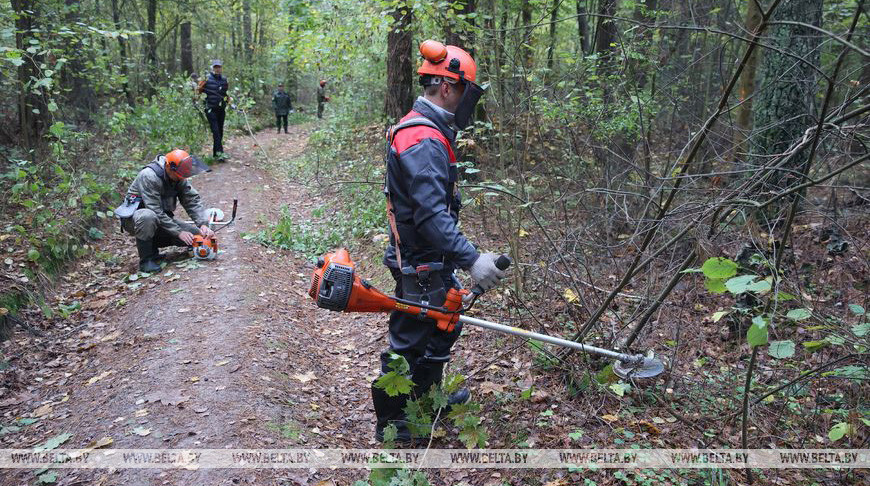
(206, 247)
(336, 287)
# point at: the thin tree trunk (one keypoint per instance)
(399, 97)
(583, 27)
(554, 12)
(122, 47)
(248, 41)
(747, 83)
(186, 49)
(32, 109)
(151, 45)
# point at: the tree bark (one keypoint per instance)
(554, 13)
(32, 109)
(583, 27)
(605, 34)
(247, 40)
(399, 98)
(122, 47)
(81, 98)
(785, 107)
(186, 48)
(464, 36)
(747, 82)
(151, 45)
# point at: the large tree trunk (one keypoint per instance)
(784, 106)
(747, 82)
(464, 36)
(400, 77)
(122, 47)
(32, 109)
(605, 35)
(186, 49)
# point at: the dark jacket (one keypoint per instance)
(421, 184)
(215, 90)
(281, 103)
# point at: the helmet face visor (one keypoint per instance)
(465, 110)
(189, 166)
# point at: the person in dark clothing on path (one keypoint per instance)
(321, 98)
(215, 87)
(282, 105)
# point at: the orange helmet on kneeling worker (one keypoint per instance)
(183, 164)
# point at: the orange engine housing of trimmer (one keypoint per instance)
(335, 286)
(204, 247)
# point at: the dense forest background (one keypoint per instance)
(685, 176)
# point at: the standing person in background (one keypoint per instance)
(282, 105)
(215, 87)
(321, 98)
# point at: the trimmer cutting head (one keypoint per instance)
(638, 367)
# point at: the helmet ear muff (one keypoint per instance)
(433, 51)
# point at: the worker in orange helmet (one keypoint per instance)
(426, 246)
(148, 210)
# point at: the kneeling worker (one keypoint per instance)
(149, 207)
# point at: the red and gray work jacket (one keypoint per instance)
(421, 191)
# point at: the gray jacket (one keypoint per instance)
(161, 194)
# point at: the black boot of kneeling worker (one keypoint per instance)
(147, 256)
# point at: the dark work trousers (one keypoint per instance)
(282, 118)
(419, 341)
(319, 109)
(216, 122)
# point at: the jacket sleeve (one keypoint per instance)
(275, 101)
(427, 167)
(151, 187)
(192, 203)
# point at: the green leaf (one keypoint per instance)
(47, 478)
(741, 284)
(715, 285)
(757, 333)
(620, 388)
(781, 349)
(856, 309)
(798, 314)
(760, 286)
(394, 384)
(839, 430)
(53, 442)
(719, 315)
(719, 268)
(473, 437)
(33, 255)
(576, 435)
(861, 330)
(814, 345)
(785, 296)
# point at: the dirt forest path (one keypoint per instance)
(222, 354)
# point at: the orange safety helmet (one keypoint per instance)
(447, 61)
(183, 164)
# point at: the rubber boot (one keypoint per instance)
(146, 256)
(156, 251)
(389, 410)
(428, 374)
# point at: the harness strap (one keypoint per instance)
(391, 214)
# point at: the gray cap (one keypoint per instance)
(216, 62)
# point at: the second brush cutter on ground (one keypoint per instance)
(335, 286)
